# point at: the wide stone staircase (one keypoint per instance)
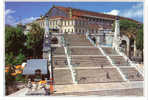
(79, 61)
(90, 61)
(77, 40)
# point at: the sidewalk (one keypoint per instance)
(21, 92)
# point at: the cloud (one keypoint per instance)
(29, 20)
(9, 19)
(113, 12)
(135, 12)
(9, 11)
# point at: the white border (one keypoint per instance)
(70, 97)
(2, 48)
(76, 0)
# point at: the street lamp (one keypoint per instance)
(47, 50)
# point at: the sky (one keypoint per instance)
(26, 12)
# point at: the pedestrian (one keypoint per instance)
(47, 91)
(29, 85)
(55, 62)
(65, 62)
(102, 66)
(138, 74)
(94, 39)
(107, 75)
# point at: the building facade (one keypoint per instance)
(76, 21)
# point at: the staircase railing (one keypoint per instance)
(125, 57)
(69, 60)
(130, 62)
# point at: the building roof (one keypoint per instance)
(55, 17)
(34, 64)
(79, 12)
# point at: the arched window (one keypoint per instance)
(79, 30)
(76, 30)
(83, 31)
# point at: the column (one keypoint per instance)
(127, 49)
(116, 33)
(135, 48)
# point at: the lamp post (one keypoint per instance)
(47, 51)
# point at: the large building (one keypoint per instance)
(73, 20)
(69, 20)
(76, 21)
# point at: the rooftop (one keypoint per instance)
(80, 12)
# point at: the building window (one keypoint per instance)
(92, 31)
(79, 30)
(76, 30)
(63, 23)
(80, 22)
(73, 22)
(76, 22)
(83, 31)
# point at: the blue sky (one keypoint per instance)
(29, 11)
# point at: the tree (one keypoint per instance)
(139, 38)
(35, 40)
(14, 40)
(134, 31)
(128, 28)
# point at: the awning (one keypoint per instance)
(34, 64)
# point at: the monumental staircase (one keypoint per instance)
(79, 61)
